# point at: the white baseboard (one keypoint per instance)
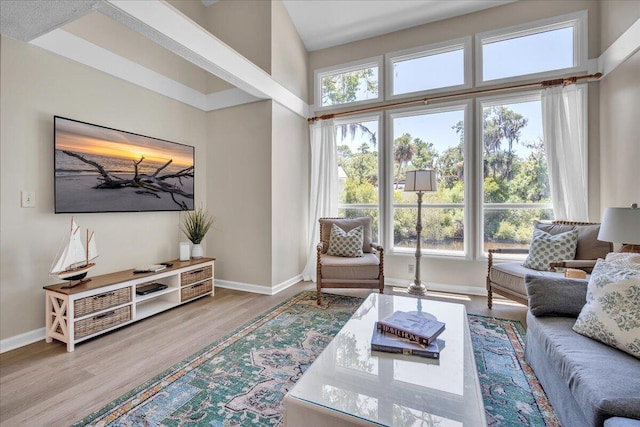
(21, 340)
(257, 289)
(440, 287)
(30, 337)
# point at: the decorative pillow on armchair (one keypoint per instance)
(612, 312)
(547, 248)
(346, 244)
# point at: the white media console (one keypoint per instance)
(110, 301)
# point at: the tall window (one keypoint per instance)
(515, 183)
(358, 169)
(488, 153)
(434, 139)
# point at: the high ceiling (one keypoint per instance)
(326, 23)
(80, 30)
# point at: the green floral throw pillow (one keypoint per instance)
(547, 248)
(347, 244)
(612, 312)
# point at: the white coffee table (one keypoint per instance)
(349, 385)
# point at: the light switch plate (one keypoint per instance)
(28, 199)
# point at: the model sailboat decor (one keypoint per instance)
(73, 260)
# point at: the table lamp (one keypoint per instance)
(419, 181)
(622, 225)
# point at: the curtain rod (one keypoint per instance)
(542, 84)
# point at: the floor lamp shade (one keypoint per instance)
(621, 225)
(420, 180)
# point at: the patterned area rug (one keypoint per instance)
(511, 392)
(241, 379)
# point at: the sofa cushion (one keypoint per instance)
(347, 224)
(559, 297)
(345, 243)
(510, 275)
(589, 247)
(547, 248)
(605, 382)
(612, 311)
(363, 268)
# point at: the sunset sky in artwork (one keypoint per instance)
(88, 139)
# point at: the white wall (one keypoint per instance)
(35, 86)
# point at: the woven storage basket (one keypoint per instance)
(195, 275)
(189, 292)
(89, 305)
(101, 322)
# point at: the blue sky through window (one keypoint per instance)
(551, 50)
(544, 51)
(424, 73)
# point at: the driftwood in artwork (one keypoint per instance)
(149, 184)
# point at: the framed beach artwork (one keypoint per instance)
(99, 169)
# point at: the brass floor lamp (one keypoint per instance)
(419, 181)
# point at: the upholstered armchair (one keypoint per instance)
(507, 278)
(366, 271)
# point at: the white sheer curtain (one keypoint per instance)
(323, 193)
(563, 124)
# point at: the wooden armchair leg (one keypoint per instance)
(489, 297)
(318, 292)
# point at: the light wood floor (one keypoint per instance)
(43, 385)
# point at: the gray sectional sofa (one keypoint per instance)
(587, 382)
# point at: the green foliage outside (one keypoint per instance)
(508, 178)
(349, 87)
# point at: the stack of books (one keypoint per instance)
(408, 333)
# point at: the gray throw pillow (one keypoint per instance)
(555, 296)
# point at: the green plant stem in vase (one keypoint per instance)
(195, 226)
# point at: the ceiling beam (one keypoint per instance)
(168, 27)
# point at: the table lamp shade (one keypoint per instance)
(420, 180)
(621, 225)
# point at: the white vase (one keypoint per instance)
(197, 251)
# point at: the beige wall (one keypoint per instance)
(245, 26)
(36, 85)
(619, 105)
(289, 58)
(239, 192)
(290, 194)
(616, 16)
(103, 31)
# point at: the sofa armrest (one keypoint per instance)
(573, 263)
(508, 251)
(621, 422)
(504, 251)
(555, 296)
(377, 247)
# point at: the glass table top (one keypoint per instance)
(391, 389)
